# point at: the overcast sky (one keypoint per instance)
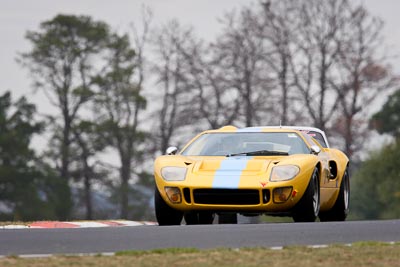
(18, 16)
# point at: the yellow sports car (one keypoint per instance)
(282, 171)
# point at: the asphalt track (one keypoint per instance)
(113, 239)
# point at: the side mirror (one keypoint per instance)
(171, 150)
(315, 150)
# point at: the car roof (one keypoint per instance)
(297, 128)
(263, 128)
(234, 129)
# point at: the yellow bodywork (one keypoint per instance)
(243, 172)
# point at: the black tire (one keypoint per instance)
(227, 218)
(165, 214)
(341, 208)
(308, 207)
(199, 217)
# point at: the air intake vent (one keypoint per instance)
(186, 195)
(226, 196)
(266, 196)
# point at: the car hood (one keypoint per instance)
(231, 172)
(230, 165)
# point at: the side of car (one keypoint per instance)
(334, 180)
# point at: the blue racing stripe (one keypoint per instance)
(228, 175)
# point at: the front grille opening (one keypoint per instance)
(226, 196)
(266, 196)
(186, 195)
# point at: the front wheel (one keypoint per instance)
(308, 207)
(165, 214)
(341, 208)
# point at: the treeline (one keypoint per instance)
(376, 185)
(131, 95)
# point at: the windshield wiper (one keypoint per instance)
(260, 153)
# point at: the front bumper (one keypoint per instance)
(277, 198)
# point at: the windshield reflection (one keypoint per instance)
(223, 144)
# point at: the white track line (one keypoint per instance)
(85, 224)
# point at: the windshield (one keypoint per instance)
(228, 144)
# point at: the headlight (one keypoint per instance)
(283, 173)
(173, 173)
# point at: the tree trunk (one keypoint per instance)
(284, 87)
(88, 192)
(64, 211)
(125, 176)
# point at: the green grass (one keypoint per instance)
(359, 254)
(157, 251)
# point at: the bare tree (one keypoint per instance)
(214, 98)
(239, 51)
(322, 58)
(140, 40)
(316, 55)
(336, 63)
(173, 92)
(277, 23)
(363, 75)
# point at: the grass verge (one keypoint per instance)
(359, 254)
